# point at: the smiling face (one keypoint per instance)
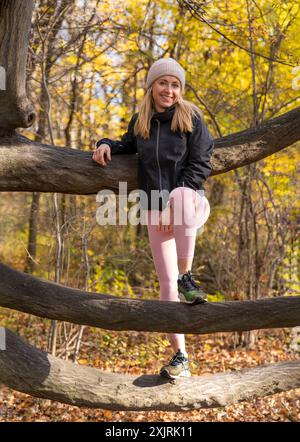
(165, 92)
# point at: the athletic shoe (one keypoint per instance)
(189, 291)
(177, 367)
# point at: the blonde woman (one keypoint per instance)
(174, 149)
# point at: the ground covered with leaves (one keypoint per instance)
(144, 353)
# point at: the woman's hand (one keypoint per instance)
(101, 154)
(166, 220)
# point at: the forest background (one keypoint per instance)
(86, 69)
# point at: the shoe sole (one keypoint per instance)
(184, 374)
(198, 300)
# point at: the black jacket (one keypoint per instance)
(168, 159)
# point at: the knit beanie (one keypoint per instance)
(165, 66)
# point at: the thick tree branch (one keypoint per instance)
(256, 143)
(34, 167)
(20, 291)
(15, 23)
(29, 370)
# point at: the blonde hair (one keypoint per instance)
(181, 121)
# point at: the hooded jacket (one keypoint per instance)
(167, 159)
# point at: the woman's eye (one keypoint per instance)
(173, 85)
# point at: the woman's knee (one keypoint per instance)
(191, 208)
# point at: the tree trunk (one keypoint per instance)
(15, 23)
(29, 370)
(33, 223)
(20, 291)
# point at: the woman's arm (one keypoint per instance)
(198, 167)
(126, 145)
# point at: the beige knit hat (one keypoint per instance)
(165, 66)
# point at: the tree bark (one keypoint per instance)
(20, 291)
(15, 23)
(30, 166)
(29, 370)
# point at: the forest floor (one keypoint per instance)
(144, 353)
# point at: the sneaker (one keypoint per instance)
(177, 367)
(189, 291)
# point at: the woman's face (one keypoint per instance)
(165, 92)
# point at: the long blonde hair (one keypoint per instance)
(182, 118)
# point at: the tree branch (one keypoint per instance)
(198, 13)
(30, 166)
(20, 291)
(29, 370)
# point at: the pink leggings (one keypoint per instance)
(191, 212)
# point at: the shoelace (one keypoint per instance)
(177, 358)
(188, 281)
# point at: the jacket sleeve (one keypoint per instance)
(126, 145)
(198, 167)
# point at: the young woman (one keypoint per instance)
(174, 149)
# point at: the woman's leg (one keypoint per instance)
(191, 211)
(164, 254)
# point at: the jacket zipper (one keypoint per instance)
(157, 145)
